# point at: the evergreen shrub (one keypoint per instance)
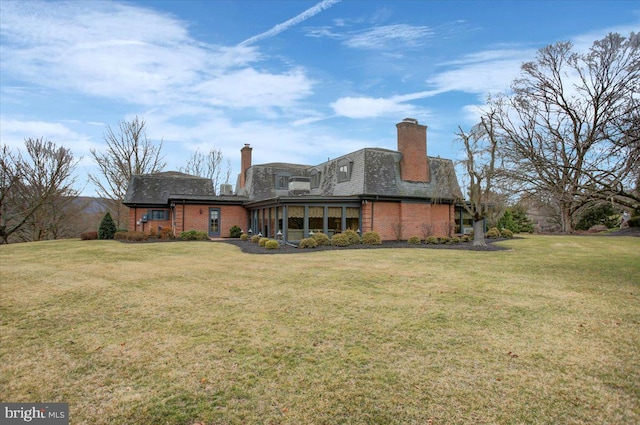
(506, 233)
(431, 240)
(414, 240)
(272, 244)
(321, 239)
(371, 238)
(244, 237)
(262, 241)
(308, 243)
(107, 227)
(493, 233)
(194, 235)
(255, 238)
(235, 231)
(340, 239)
(354, 237)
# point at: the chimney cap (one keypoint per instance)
(411, 120)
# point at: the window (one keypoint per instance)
(282, 181)
(344, 170)
(158, 215)
(315, 179)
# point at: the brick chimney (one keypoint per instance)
(412, 144)
(245, 163)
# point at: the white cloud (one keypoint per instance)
(389, 36)
(368, 107)
(135, 55)
(12, 133)
(250, 88)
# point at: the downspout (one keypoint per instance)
(182, 216)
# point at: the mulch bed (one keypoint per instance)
(254, 248)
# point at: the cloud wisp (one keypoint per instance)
(312, 11)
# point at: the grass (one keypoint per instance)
(188, 332)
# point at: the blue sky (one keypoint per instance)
(301, 81)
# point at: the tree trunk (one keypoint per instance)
(478, 233)
(565, 216)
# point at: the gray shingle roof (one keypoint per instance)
(156, 189)
(374, 171)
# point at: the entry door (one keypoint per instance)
(214, 222)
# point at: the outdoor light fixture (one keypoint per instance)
(250, 232)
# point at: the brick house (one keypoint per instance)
(398, 194)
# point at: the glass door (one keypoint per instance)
(214, 222)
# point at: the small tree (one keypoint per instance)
(107, 227)
(480, 146)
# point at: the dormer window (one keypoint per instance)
(344, 170)
(315, 176)
(282, 181)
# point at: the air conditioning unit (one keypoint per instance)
(226, 189)
(299, 184)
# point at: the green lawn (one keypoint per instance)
(547, 332)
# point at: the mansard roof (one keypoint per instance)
(157, 188)
(374, 172)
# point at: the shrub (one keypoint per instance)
(506, 233)
(194, 235)
(262, 241)
(89, 236)
(414, 240)
(244, 237)
(432, 240)
(137, 236)
(455, 240)
(255, 238)
(603, 214)
(493, 233)
(340, 239)
(354, 237)
(371, 238)
(308, 243)
(120, 235)
(634, 221)
(166, 233)
(107, 227)
(272, 244)
(321, 239)
(445, 239)
(465, 238)
(235, 231)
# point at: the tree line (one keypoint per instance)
(37, 196)
(566, 135)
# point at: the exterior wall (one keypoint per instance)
(443, 219)
(394, 220)
(135, 216)
(385, 216)
(415, 219)
(191, 217)
(196, 217)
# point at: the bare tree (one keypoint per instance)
(128, 153)
(209, 166)
(480, 146)
(29, 185)
(570, 127)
